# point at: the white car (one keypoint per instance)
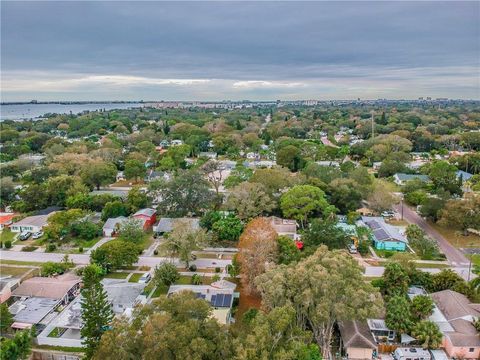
(352, 249)
(388, 214)
(145, 278)
(37, 235)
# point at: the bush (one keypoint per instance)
(155, 252)
(51, 247)
(196, 279)
(193, 267)
(217, 269)
(215, 277)
(51, 268)
(29, 248)
(80, 249)
(8, 244)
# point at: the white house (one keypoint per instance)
(112, 225)
(30, 223)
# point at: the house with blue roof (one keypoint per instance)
(384, 236)
(463, 175)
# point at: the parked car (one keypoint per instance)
(352, 249)
(24, 235)
(145, 278)
(388, 213)
(37, 235)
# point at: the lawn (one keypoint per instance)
(456, 237)
(117, 275)
(13, 271)
(6, 234)
(431, 266)
(16, 262)
(135, 277)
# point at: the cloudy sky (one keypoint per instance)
(120, 50)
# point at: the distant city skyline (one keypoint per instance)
(213, 51)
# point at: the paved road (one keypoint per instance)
(83, 259)
(454, 256)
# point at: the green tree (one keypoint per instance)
(137, 199)
(115, 254)
(287, 250)
(396, 280)
(183, 240)
(301, 201)
(6, 319)
(134, 169)
(114, 209)
(188, 193)
(166, 274)
(345, 195)
(18, 347)
(98, 173)
(325, 232)
(398, 314)
(131, 230)
(290, 157)
(444, 176)
(461, 214)
(96, 314)
(324, 288)
(175, 327)
(422, 306)
(228, 228)
(428, 334)
(274, 335)
(249, 200)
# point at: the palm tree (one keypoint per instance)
(428, 334)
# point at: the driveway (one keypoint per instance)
(454, 256)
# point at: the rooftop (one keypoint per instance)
(357, 334)
(47, 287)
(36, 220)
(32, 310)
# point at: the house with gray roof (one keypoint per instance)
(384, 236)
(112, 225)
(401, 179)
(166, 225)
(357, 340)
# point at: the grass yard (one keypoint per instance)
(13, 271)
(86, 243)
(431, 266)
(456, 237)
(135, 277)
(16, 262)
(6, 235)
(399, 222)
(60, 348)
(117, 275)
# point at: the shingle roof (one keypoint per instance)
(112, 223)
(37, 220)
(145, 212)
(454, 305)
(407, 177)
(356, 334)
(52, 288)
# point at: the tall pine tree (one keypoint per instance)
(96, 310)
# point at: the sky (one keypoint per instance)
(122, 50)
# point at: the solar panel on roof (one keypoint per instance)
(219, 300)
(213, 299)
(381, 235)
(227, 300)
(374, 225)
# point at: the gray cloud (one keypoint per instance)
(134, 50)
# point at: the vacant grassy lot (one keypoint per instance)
(13, 271)
(456, 237)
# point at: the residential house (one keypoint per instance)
(385, 236)
(380, 330)
(6, 219)
(454, 314)
(165, 225)
(30, 223)
(357, 340)
(401, 179)
(8, 283)
(112, 226)
(219, 294)
(328, 163)
(284, 227)
(463, 176)
(148, 215)
(62, 288)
